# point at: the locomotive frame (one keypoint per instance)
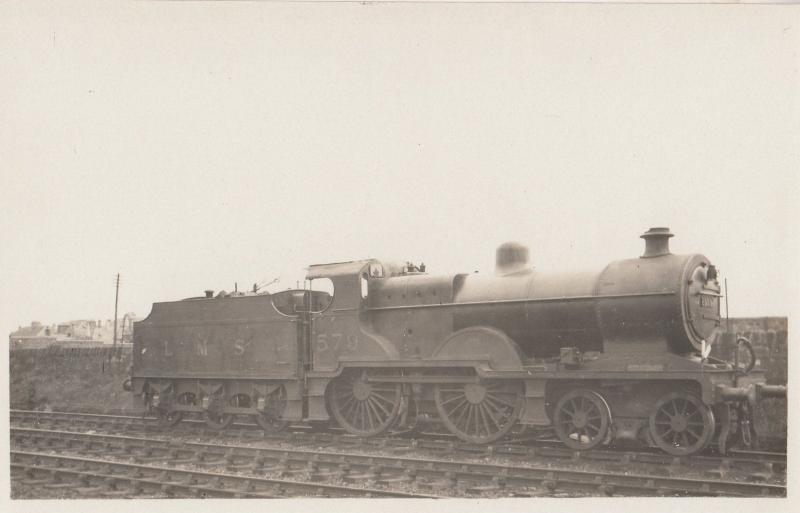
(619, 354)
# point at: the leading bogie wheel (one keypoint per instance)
(481, 412)
(681, 424)
(582, 419)
(363, 407)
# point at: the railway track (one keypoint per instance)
(381, 475)
(761, 465)
(94, 477)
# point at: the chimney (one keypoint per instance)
(656, 242)
(209, 293)
(511, 258)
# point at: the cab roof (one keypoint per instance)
(337, 269)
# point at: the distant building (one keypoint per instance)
(35, 335)
(78, 332)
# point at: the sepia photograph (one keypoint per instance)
(458, 256)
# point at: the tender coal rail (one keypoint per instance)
(438, 476)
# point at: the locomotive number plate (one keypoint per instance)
(335, 341)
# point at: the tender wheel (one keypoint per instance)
(215, 416)
(582, 419)
(479, 412)
(681, 424)
(269, 419)
(169, 419)
(217, 420)
(363, 408)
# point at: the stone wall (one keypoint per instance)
(769, 337)
(84, 379)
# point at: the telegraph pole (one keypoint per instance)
(116, 302)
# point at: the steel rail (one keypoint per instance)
(468, 477)
(526, 449)
(213, 483)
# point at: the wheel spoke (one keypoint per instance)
(350, 407)
(481, 410)
(464, 424)
(492, 407)
(374, 411)
(364, 414)
(343, 394)
(460, 405)
(385, 399)
(454, 398)
(350, 399)
(492, 397)
(365, 418)
(375, 404)
(491, 416)
(470, 419)
(457, 422)
(502, 409)
(573, 406)
(368, 411)
(476, 421)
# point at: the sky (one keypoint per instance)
(194, 145)
(191, 146)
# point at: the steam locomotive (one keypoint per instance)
(600, 357)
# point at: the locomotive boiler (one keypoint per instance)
(604, 356)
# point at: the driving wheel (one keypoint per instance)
(362, 407)
(480, 412)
